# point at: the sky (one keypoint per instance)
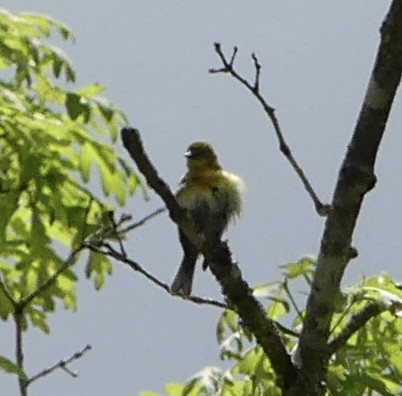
(153, 57)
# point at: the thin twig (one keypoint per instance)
(113, 221)
(228, 67)
(111, 252)
(62, 364)
(257, 66)
(343, 315)
(232, 59)
(141, 222)
(286, 330)
(292, 300)
(355, 323)
(308, 280)
(7, 293)
(85, 217)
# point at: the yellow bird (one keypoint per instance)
(213, 198)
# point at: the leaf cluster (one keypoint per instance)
(370, 362)
(51, 136)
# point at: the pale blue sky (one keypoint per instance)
(153, 57)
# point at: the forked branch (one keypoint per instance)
(62, 364)
(254, 88)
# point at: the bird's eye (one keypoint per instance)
(193, 154)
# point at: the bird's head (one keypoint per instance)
(200, 155)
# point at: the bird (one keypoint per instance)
(213, 198)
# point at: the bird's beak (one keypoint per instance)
(188, 154)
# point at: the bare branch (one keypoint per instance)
(356, 178)
(228, 67)
(194, 299)
(223, 267)
(232, 59)
(144, 220)
(355, 323)
(62, 364)
(257, 72)
(111, 252)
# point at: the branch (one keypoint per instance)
(228, 67)
(115, 225)
(144, 220)
(292, 300)
(138, 268)
(133, 144)
(19, 351)
(222, 266)
(71, 259)
(7, 293)
(355, 323)
(194, 299)
(355, 179)
(286, 330)
(62, 364)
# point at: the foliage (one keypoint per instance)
(369, 363)
(50, 136)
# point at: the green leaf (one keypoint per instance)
(64, 31)
(57, 66)
(6, 308)
(97, 267)
(87, 156)
(305, 266)
(192, 388)
(76, 106)
(106, 108)
(38, 319)
(228, 320)
(8, 366)
(39, 238)
(232, 346)
(8, 206)
(278, 308)
(31, 276)
(249, 363)
(41, 23)
(174, 389)
(69, 73)
(91, 90)
(66, 284)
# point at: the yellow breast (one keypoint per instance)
(218, 190)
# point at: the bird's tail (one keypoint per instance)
(183, 281)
